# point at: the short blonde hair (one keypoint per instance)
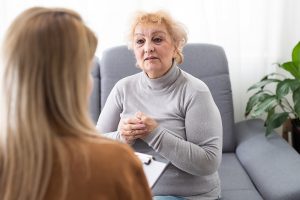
(47, 54)
(176, 29)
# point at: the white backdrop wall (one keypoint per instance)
(254, 33)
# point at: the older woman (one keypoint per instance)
(49, 148)
(167, 112)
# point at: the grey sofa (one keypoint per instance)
(253, 167)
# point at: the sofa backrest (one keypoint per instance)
(204, 61)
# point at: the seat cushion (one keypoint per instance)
(235, 182)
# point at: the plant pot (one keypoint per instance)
(296, 134)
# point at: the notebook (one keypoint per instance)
(153, 169)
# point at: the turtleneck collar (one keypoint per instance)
(162, 82)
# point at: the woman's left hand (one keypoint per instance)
(149, 122)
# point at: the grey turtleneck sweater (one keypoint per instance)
(189, 135)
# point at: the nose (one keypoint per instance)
(148, 47)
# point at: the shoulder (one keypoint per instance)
(128, 80)
(196, 92)
(193, 84)
(124, 85)
(107, 159)
(101, 167)
(98, 150)
(114, 166)
(109, 149)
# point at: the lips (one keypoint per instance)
(150, 58)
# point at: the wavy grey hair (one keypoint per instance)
(176, 29)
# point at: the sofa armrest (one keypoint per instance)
(271, 163)
(95, 98)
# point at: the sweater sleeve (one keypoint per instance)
(200, 152)
(110, 116)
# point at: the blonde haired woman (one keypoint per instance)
(167, 112)
(48, 145)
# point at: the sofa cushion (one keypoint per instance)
(270, 161)
(235, 182)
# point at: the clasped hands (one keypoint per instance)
(138, 126)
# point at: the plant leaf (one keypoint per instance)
(275, 121)
(296, 99)
(296, 95)
(254, 100)
(296, 53)
(270, 113)
(293, 68)
(262, 84)
(297, 109)
(264, 106)
(294, 84)
(274, 74)
(283, 88)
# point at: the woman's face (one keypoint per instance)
(153, 49)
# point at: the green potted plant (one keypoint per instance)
(282, 104)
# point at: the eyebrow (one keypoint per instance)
(155, 32)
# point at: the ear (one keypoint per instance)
(175, 52)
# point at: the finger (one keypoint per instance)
(134, 137)
(137, 126)
(133, 134)
(126, 133)
(124, 120)
(126, 127)
(138, 114)
(131, 127)
(130, 138)
(132, 120)
(140, 132)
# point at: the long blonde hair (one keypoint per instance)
(47, 54)
(176, 29)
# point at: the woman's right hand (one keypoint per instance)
(131, 129)
(136, 127)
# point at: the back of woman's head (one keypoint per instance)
(48, 53)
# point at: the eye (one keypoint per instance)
(139, 41)
(157, 40)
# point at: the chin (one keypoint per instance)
(151, 67)
(150, 70)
